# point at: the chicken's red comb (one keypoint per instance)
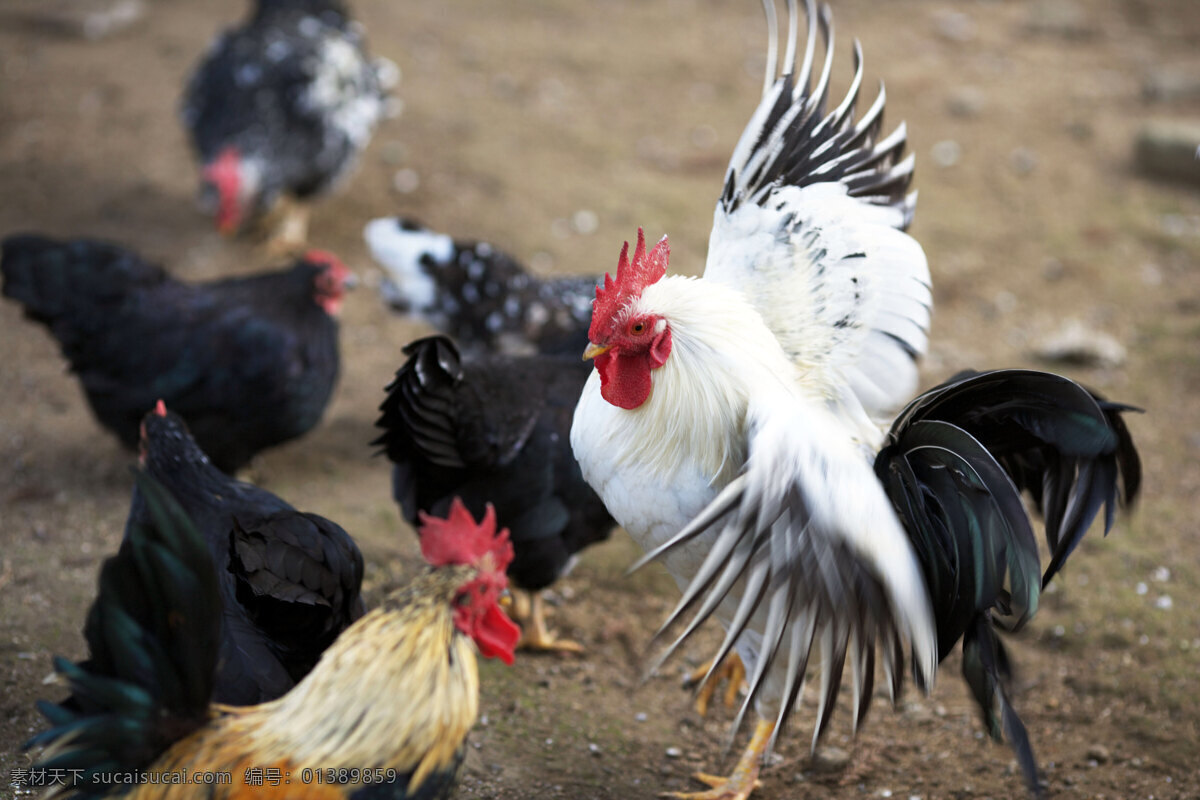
(325, 258)
(457, 539)
(632, 278)
(160, 408)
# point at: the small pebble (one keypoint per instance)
(406, 181)
(393, 152)
(1077, 343)
(966, 102)
(955, 26)
(674, 752)
(830, 758)
(1023, 160)
(946, 153)
(585, 221)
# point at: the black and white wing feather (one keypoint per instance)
(810, 228)
(807, 549)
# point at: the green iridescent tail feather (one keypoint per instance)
(153, 634)
(955, 465)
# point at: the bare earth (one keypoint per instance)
(554, 129)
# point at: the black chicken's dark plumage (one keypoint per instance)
(494, 430)
(955, 463)
(152, 634)
(289, 580)
(249, 362)
(479, 294)
(293, 93)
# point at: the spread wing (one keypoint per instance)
(810, 228)
(808, 550)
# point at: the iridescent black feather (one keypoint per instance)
(152, 636)
(956, 462)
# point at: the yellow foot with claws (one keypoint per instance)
(530, 612)
(731, 669)
(744, 779)
(722, 789)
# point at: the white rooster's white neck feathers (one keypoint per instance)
(721, 352)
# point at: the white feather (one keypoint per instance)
(399, 252)
(846, 294)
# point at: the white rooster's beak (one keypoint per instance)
(594, 350)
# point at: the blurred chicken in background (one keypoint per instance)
(477, 293)
(250, 362)
(279, 110)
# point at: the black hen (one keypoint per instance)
(479, 294)
(282, 105)
(289, 580)
(249, 362)
(496, 430)
(955, 464)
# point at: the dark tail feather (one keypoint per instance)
(1067, 446)
(418, 412)
(957, 459)
(987, 671)
(967, 524)
(153, 635)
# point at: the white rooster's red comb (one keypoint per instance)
(632, 277)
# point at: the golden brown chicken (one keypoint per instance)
(384, 714)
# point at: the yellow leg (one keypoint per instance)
(530, 610)
(289, 235)
(744, 778)
(731, 669)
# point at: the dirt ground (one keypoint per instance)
(554, 129)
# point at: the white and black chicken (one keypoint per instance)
(477, 293)
(730, 427)
(280, 107)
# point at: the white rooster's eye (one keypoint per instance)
(638, 328)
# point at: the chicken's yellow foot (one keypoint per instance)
(288, 228)
(731, 669)
(744, 778)
(529, 609)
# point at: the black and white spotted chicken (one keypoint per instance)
(477, 293)
(281, 106)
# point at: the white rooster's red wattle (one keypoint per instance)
(732, 426)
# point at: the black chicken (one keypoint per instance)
(289, 580)
(478, 293)
(495, 430)
(249, 362)
(282, 106)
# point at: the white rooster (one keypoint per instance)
(729, 427)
